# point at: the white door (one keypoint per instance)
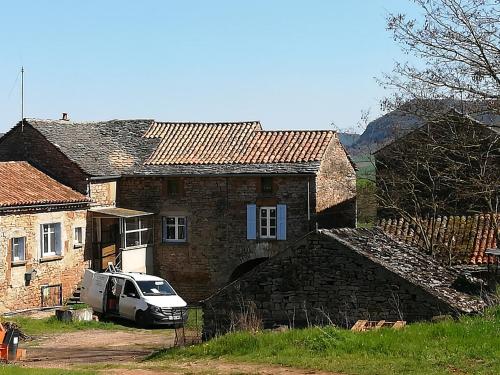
(129, 300)
(94, 289)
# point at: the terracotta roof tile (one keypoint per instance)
(459, 239)
(233, 143)
(22, 185)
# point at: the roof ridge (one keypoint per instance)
(298, 131)
(208, 122)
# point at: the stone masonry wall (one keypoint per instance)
(318, 282)
(103, 192)
(66, 269)
(336, 189)
(215, 208)
(31, 146)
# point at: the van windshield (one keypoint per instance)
(155, 288)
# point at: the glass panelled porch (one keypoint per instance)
(123, 238)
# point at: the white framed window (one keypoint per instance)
(78, 236)
(137, 231)
(50, 239)
(267, 220)
(174, 228)
(18, 246)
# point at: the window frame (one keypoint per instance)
(52, 252)
(13, 245)
(176, 229)
(140, 230)
(268, 225)
(77, 243)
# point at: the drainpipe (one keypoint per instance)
(309, 201)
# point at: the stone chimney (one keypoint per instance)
(65, 116)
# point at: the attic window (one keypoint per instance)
(266, 184)
(173, 188)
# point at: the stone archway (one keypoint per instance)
(245, 267)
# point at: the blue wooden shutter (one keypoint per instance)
(57, 233)
(281, 216)
(251, 222)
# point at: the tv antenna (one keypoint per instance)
(22, 98)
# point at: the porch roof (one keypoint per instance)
(119, 212)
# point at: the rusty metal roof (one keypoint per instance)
(21, 184)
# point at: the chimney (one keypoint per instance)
(64, 116)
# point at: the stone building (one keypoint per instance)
(196, 203)
(42, 238)
(450, 165)
(339, 276)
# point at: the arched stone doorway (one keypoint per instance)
(245, 267)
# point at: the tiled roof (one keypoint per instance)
(407, 262)
(458, 239)
(108, 148)
(146, 147)
(23, 185)
(234, 143)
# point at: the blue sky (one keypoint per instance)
(290, 64)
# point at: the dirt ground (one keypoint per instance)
(95, 347)
(121, 353)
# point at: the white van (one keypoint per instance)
(136, 296)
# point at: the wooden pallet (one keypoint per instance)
(368, 325)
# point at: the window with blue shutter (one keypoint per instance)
(251, 222)
(58, 244)
(281, 216)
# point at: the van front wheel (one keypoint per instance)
(141, 319)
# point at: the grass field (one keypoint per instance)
(30, 326)
(468, 346)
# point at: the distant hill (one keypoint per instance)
(397, 123)
(348, 139)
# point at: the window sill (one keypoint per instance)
(174, 242)
(51, 258)
(135, 247)
(18, 263)
(77, 246)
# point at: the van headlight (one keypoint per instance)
(155, 309)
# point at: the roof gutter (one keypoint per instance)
(98, 178)
(42, 206)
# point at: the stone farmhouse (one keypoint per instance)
(196, 203)
(42, 238)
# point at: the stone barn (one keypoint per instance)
(339, 276)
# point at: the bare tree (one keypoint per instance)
(455, 49)
(452, 164)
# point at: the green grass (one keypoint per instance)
(195, 319)
(30, 326)
(16, 370)
(470, 345)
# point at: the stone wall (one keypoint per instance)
(66, 269)
(319, 282)
(336, 189)
(215, 208)
(103, 192)
(31, 146)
